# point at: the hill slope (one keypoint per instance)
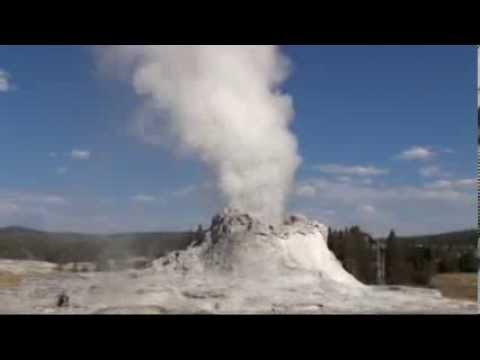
(19, 243)
(26, 244)
(466, 238)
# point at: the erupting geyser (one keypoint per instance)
(223, 104)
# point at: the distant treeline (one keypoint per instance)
(62, 248)
(404, 260)
(394, 260)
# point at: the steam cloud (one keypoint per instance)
(223, 104)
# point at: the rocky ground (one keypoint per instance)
(242, 267)
(150, 292)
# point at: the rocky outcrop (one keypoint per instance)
(239, 244)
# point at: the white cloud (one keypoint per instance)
(191, 190)
(53, 200)
(27, 198)
(102, 215)
(430, 171)
(52, 155)
(462, 184)
(80, 154)
(354, 193)
(185, 191)
(417, 153)
(344, 179)
(336, 169)
(7, 207)
(142, 198)
(368, 209)
(437, 207)
(307, 191)
(19, 208)
(62, 170)
(5, 84)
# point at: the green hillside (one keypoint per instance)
(26, 244)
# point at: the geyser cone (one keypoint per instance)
(238, 244)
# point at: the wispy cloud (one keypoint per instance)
(190, 190)
(62, 170)
(7, 207)
(5, 84)
(185, 191)
(354, 192)
(462, 184)
(434, 207)
(143, 198)
(91, 214)
(52, 155)
(17, 200)
(80, 154)
(417, 153)
(336, 169)
(53, 200)
(431, 171)
(306, 191)
(344, 179)
(367, 209)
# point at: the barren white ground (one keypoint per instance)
(243, 267)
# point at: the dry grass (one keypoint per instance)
(9, 280)
(457, 286)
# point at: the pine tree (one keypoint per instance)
(391, 257)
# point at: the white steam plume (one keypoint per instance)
(224, 104)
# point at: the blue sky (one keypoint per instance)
(387, 134)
